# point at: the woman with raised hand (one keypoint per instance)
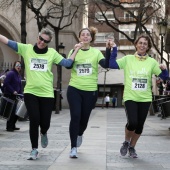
(138, 70)
(39, 92)
(82, 90)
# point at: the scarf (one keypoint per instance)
(140, 57)
(40, 51)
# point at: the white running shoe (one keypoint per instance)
(33, 154)
(73, 153)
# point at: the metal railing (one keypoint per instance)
(4, 66)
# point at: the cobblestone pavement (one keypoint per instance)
(100, 148)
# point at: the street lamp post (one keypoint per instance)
(61, 48)
(162, 31)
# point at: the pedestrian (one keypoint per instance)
(107, 100)
(114, 99)
(38, 91)
(82, 89)
(138, 71)
(11, 88)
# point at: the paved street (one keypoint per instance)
(100, 148)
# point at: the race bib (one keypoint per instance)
(38, 64)
(139, 84)
(84, 69)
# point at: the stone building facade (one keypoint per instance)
(10, 19)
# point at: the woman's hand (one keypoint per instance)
(79, 45)
(110, 43)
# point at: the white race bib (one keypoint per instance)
(139, 84)
(38, 64)
(84, 69)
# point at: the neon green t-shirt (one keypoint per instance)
(39, 78)
(138, 77)
(84, 74)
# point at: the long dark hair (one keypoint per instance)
(15, 64)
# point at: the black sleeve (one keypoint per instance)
(105, 61)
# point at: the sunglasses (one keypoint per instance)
(18, 65)
(42, 39)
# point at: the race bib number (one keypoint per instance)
(84, 69)
(139, 84)
(38, 64)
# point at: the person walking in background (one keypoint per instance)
(107, 100)
(114, 100)
(11, 87)
(138, 71)
(82, 89)
(38, 91)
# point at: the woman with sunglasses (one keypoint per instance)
(38, 92)
(12, 86)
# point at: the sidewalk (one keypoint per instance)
(99, 151)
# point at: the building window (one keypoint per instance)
(129, 33)
(128, 16)
(127, 1)
(108, 14)
(102, 37)
(121, 36)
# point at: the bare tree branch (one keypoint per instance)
(140, 12)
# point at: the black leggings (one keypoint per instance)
(81, 104)
(136, 113)
(39, 111)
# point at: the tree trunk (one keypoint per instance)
(23, 31)
(58, 89)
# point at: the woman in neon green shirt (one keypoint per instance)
(38, 92)
(138, 71)
(82, 90)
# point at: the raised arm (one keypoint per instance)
(10, 43)
(112, 62)
(68, 63)
(76, 49)
(4, 39)
(105, 61)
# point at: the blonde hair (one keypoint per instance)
(92, 30)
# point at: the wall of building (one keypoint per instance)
(10, 27)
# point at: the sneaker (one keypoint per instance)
(124, 148)
(79, 140)
(132, 152)
(10, 130)
(44, 140)
(73, 153)
(33, 154)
